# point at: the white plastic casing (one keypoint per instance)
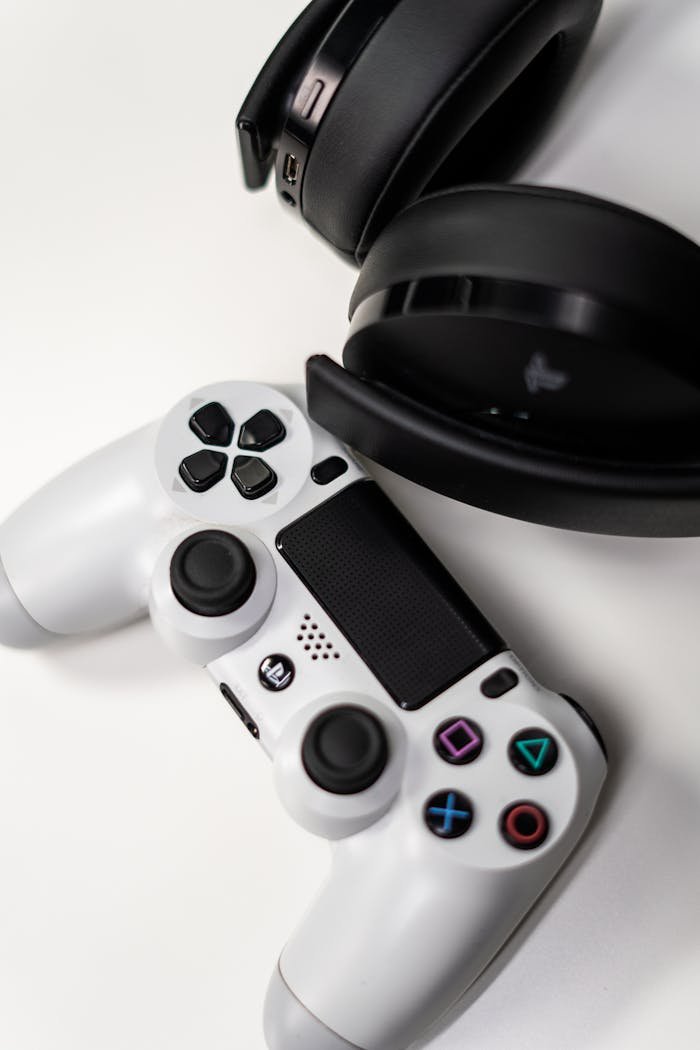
(408, 920)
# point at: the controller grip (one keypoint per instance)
(397, 936)
(75, 557)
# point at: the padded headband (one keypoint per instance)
(425, 101)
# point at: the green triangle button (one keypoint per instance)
(534, 752)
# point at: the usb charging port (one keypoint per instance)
(240, 710)
(291, 170)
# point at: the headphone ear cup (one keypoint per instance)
(543, 236)
(551, 306)
(264, 112)
(466, 90)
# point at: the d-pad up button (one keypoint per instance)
(449, 814)
(262, 432)
(213, 425)
(252, 477)
(203, 470)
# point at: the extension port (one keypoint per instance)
(291, 170)
(240, 710)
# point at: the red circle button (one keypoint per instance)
(525, 825)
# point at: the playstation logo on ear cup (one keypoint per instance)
(541, 378)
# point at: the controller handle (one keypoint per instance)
(399, 933)
(78, 555)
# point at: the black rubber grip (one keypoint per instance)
(394, 601)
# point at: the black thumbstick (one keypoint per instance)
(345, 750)
(212, 573)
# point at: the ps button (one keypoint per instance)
(203, 470)
(459, 741)
(252, 477)
(500, 683)
(213, 425)
(276, 673)
(212, 573)
(533, 752)
(262, 432)
(449, 814)
(329, 470)
(345, 750)
(525, 826)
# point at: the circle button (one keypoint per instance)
(525, 825)
(345, 750)
(212, 573)
(533, 752)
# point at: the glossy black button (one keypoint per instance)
(459, 741)
(262, 432)
(213, 425)
(499, 684)
(329, 470)
(212, 573)
(524, 825)
(345, 750)
(276, 673)
(252, 477)
(449, 814)
(534, 752)
(203, 470)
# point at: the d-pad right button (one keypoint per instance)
(253, 477)
(533, 752)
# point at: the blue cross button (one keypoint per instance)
(449, 814)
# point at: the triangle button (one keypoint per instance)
(534, 752)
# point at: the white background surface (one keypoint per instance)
(148, 876)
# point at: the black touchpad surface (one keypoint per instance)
(387, 592)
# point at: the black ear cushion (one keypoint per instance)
(432, 76)
(551, 238)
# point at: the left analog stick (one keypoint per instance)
(345, 750)
(212, 573)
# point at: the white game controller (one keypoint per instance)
(452, 786)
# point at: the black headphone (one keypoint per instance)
(526, 350)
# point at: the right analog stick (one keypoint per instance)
(345, 750)
(212, 573)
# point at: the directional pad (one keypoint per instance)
(213, 425)
(252, 477)
(262, 432)
(203, 470)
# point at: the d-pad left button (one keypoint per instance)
(203, 470)
(213, 425)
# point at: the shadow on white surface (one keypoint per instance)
(595, 944)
